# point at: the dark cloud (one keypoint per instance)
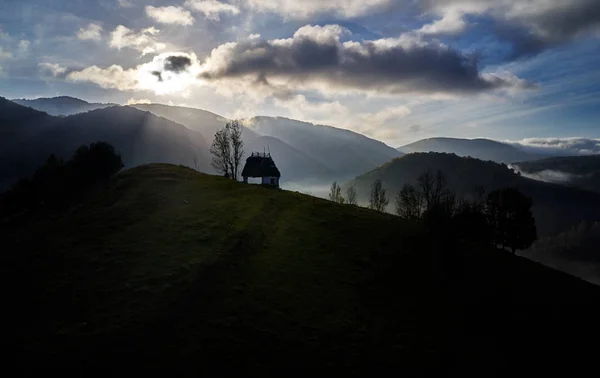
(414, 128)
(177, 64)
(158, 75)
(315, 55)
(529, 27)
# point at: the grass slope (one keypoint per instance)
(171, 269)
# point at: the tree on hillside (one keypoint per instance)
(511, 219)
(335, 193)
(237, 146)
(57, 184)
(221, 152)
(408, 202)
(351, 197)
(439, 202)
(378, 199)
(227, 150)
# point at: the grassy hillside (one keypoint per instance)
(556, 208)
(198, 275)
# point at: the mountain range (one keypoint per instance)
(577, 171)
(556, 208)
(484, 149)
(304, 152)
(61, 106)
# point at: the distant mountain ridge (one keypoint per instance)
(29, 137)
(556, 207)
(576, 171)
(483, 149)
(61, 106)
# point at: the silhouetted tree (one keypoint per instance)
(378, 199)
(57, 183)
(511, 219)
(335, 193)
(351, 197)
(237, 146)
(408, 202)
(221, 153)
(227, 150)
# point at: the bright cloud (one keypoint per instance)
(144, 41)
(307, 8)
(52, 68)
(212, 9)
(168, 73)
(92, 32)
(170, 15)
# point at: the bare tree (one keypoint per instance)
(196, 165)
(351, 196)
(227, 150)
(378, 200)
(408, 203)
(335, 193)
(221, 153)
(237, 146)
(426, 184)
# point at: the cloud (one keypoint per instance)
(133, 101)
(52, 68)
(170, 15)
(451, 23)
(529, 26)
(151, 76)
(212, 9)
(308, 8)
(560, 146)
(143, 41)
(177, 63)
(5, 55)
(415, 128)
(126, 3)
(315, 58)
(93, 32)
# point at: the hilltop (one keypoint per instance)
(484, 149)
(167, 268)
(61, 106)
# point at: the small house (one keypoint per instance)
(262, 166)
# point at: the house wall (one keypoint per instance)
(267, 180)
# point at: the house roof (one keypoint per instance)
(260, 165)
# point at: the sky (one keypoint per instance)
(394, 70)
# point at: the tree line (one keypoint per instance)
(503, 217)
(59, 183)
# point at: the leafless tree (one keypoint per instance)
(351, 196)
(227, 150)
(378, 200)
(237, 146)
(335, 193)
(408, 203)
(221, 153)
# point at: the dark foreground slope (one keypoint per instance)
(170, 269)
